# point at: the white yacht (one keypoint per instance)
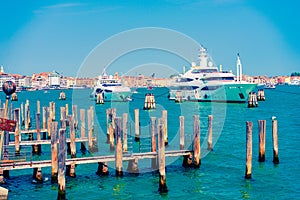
(204, 82)
(111, 89)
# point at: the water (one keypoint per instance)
(221, 175)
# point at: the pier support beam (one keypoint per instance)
(262, 140)
(275, 141)
(119, 149)
(102, 169)
(72, 137)
(136, 125)
(17, 131)
(133, 166)
(37, 175)
(153, 141)
(124, 127)
(248, 150)
(161, 158)
(209, 138)
(62, 165)
(197, 150)
(54, 161)
(165, 118)
(181, 130)
(82, 130)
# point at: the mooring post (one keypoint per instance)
(17, 131)
(67, 114)
(90, 130)
(165, 118)
(72, 137)
(275, 141)
(75, 116)
(248, 149)
(132, 167)
(111, 138)
(209, 138)
(153, 142)
(197, 150)
(38, 147)
(82, 129)
(45, 113)
(262, 139)
(181, 130)
(26, 120)
(161, 158)
(54, 162)
(62, 165)
(124, 127)
(22, 115)
(38, 106)
(63, 117)
(102, 169)
(49, 122)
(136, 125)
(119, 149)
(108, 122)
(37, 175)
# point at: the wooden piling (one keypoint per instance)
(72, 137)
(124, 127)
(136, 125)
(181, 130)
(38, 147)
(54, 161)
(45, 114)
(248, 149)
(90, 130)
(108, 122)
(82, 129)
(275, 141)
(38, 106)
(161, 158)
(22, 115)
(262, 139)
(102, 169)
(49, 120)
(132, 167)
(197, 150)
(153, 142)
(75, 116)
(37, 175)
(209, 138)
(62, 165)
(17, 131)
(26, 120)
(119, 150)
(165, 118)
(63, 117)
(67, 114)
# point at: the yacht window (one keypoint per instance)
(210, 87)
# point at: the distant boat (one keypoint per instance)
(270, 86)
(111, 89)
(294, 82)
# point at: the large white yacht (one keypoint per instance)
(204, 82)
(111, 89)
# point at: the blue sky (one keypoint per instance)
(51, 35)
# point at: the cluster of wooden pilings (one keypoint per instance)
(252, 100)
(99, 98)
(149, 102)
(117, 129)
(262, 144)
(52, 132)
(178, 97)
(261, 95)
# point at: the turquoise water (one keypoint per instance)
(221, 175)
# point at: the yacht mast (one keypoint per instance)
(238, 69)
